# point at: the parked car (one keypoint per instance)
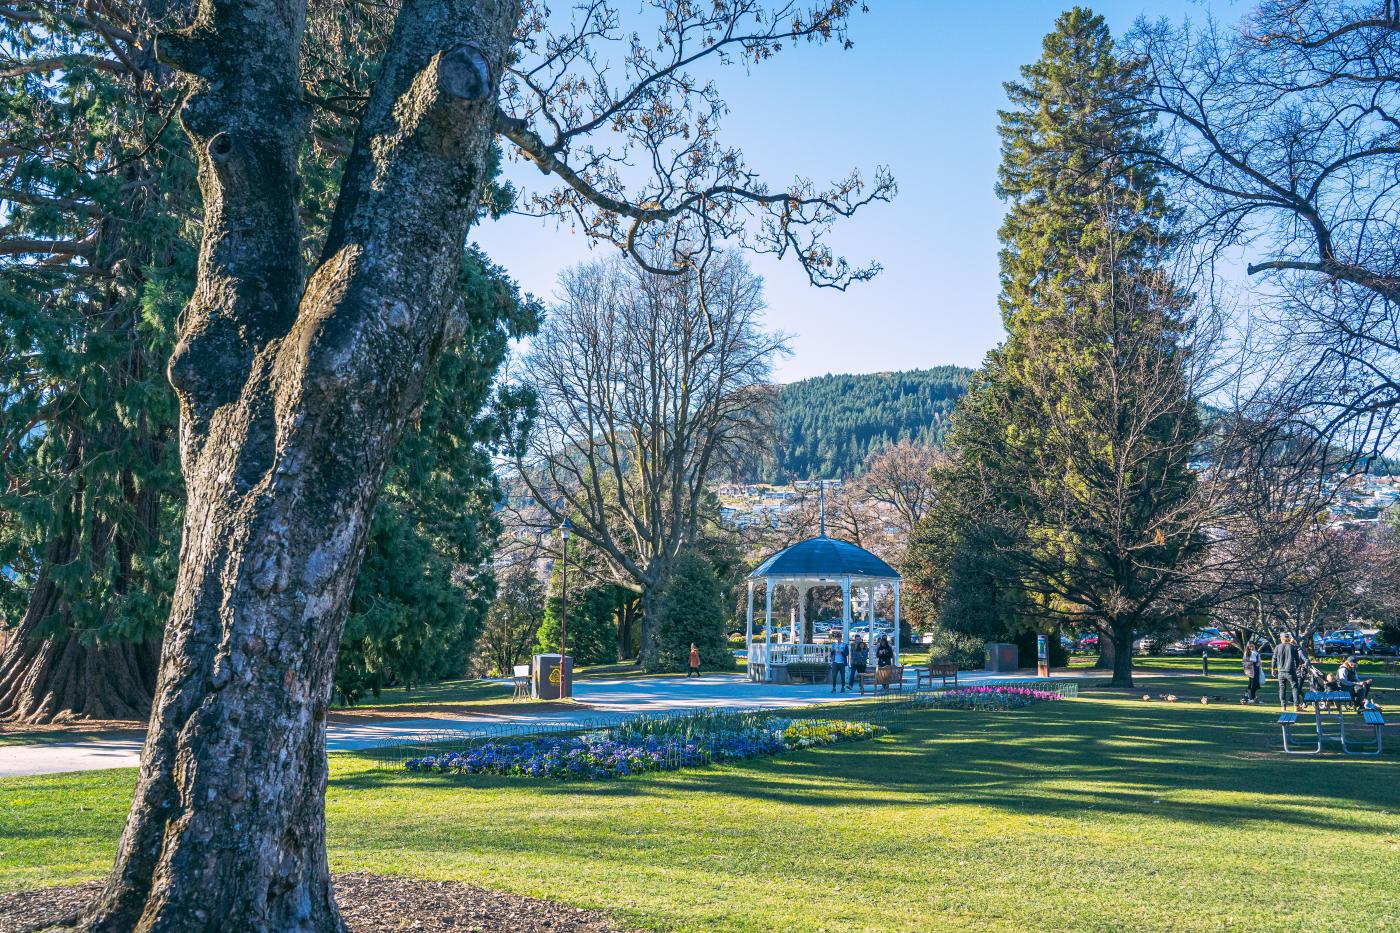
(1341, 641)
(1370, 642)
(1089, 641)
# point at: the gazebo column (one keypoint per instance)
(792, 625)
(846, 609)
(802, 610)
(896, 621)
(768, 630)
(870, 609)
(748, 636)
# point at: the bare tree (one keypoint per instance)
(647, 387)
(1283, 138)
(296, 378)
(901, 477)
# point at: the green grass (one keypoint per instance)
(1104, 813)
(447, 691)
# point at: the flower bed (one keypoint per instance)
(984, 698)
(607, 754)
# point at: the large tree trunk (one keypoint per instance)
(61, 679)
(1122, 660)
(292, 403)
(650, 654)
(1107, 655)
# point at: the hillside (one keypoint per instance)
(828, 424)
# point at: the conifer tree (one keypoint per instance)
(692, 612)
(1071, 499)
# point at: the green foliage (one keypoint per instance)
(1070, 494)
(101, 189)
(593, 619)
(512, 622)
(692, 612)
(826, 426)
(419, 601)
(90, 491)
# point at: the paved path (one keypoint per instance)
(607, 701)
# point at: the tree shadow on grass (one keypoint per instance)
(1056, 759)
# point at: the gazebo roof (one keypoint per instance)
(825, 558)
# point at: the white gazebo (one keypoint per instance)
(816, 562)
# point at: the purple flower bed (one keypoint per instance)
(990, 697)
(599, 756)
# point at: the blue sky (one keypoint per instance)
(919, 92)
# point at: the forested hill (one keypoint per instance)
(827, 425)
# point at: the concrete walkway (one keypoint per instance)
(607, 701)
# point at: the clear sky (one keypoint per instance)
(918, 92)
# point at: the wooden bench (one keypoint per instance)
(891, 678)
(923, 676)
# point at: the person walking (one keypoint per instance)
(884, 661)
(1253, 670)
(1287, 665)
(860, 660)
(694, 670)
(1349, 680)
(839, 653)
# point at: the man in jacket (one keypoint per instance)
(1287, 663)
(1350, 681)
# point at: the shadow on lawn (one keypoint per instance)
(1155, 759)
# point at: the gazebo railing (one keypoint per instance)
(789, 654)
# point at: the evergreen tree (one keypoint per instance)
(1070, 497)
(98, 253)
(420, 599)
(692, 612)
(512, 621)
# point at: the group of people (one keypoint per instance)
(851, 659)
(1297, 675)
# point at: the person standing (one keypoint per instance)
(694, 670)
(1253, 670)
(884, 660)
(860, 659)
(838, 665)
(1287, 665)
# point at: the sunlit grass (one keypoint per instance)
(1104, 813)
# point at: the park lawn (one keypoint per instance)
(446, 691)
(1103, 813)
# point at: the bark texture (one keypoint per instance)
(61, 679)
(292, 401)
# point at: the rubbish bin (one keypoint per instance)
(1002, 657)
(546, 681)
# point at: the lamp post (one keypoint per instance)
(565, 687)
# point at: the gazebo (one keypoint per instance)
(816, 562)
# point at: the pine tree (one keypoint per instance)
(1071, 498)
(692, 612)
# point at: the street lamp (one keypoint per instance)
(565, 686)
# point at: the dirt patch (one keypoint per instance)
(369, 903)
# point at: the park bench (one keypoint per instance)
(1372, 746)
(521, 682)
(1324, 702)
(923, 676)
(891, 678)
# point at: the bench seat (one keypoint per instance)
(1373, 717)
